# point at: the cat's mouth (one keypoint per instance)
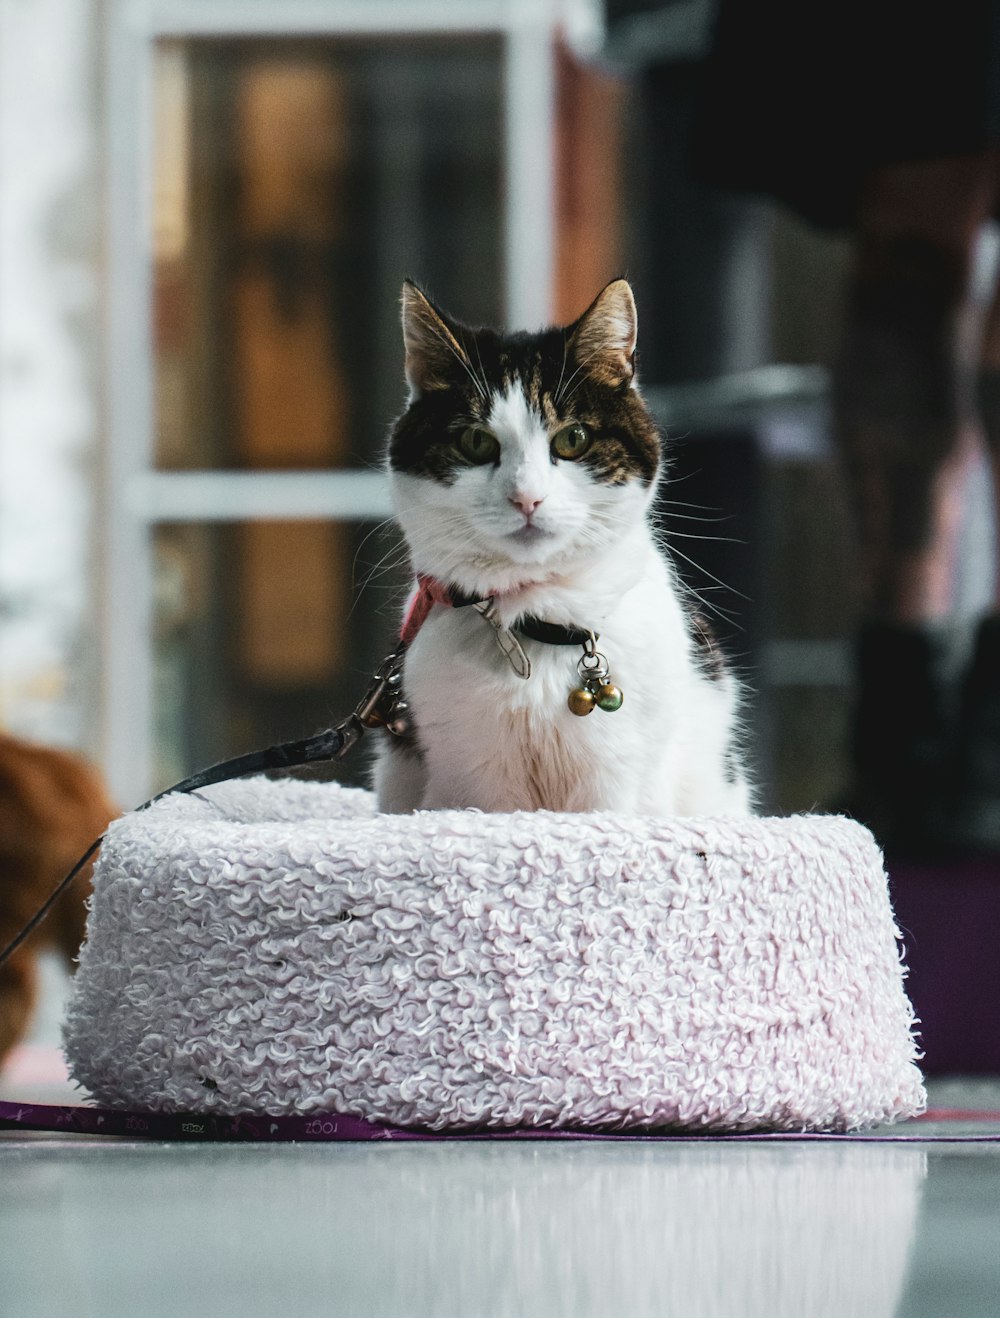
(530, 539)
(529, 533)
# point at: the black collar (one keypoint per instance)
(552, 633)
(535, 629)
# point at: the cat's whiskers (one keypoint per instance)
(690, 517)
(699, 594)
(391, 561)
(597, 530)
(723, 615)
(386, 521)
(614, 518)
(669, 515)
(699, 507)
(380, 569)
(452, 545)
(721, 539)
(704, 570)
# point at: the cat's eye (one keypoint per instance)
(479, 445)
(571, 442)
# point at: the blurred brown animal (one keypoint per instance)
(52, 807)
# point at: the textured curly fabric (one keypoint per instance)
(280, 947)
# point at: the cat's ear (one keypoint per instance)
(431, 345)
(603, 339)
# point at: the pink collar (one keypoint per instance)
(429, 592)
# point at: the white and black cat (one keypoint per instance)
(523, 471)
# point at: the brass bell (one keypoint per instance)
(609, 697)
(581, 701)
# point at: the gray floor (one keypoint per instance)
(92, 1229)
(102, 1229)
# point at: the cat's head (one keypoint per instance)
(523, 455)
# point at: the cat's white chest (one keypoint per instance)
(493, 740)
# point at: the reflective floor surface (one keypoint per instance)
(611, 1229)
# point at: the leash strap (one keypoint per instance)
(374, 710)
(332, 1126)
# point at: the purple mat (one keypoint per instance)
(949, 913)
(82, 1120)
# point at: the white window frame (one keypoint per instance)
(135, 496)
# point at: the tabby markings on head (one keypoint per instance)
(583, 373)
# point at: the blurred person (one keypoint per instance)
(884, 120)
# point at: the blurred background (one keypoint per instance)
(206, 213)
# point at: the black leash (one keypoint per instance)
(376, 709)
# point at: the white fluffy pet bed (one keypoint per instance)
(278, 947)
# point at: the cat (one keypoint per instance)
(52, 807)
(523, 472)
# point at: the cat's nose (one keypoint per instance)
(526, 503)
